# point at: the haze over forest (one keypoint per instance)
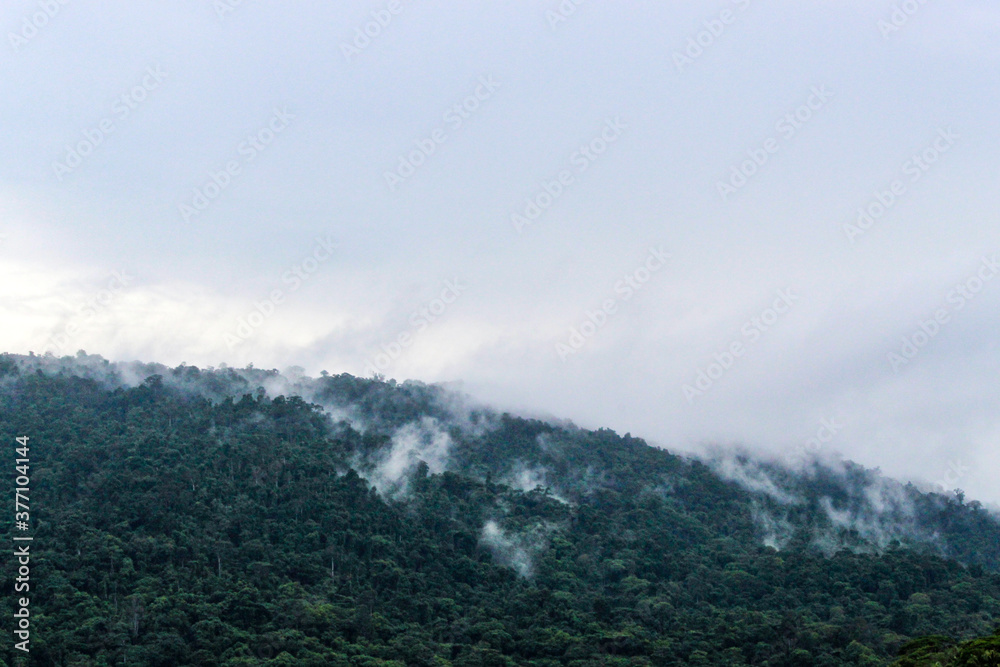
(245, 517)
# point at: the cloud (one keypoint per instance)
(776, 530)
(751, 476)
(527, 478)
(425, 441)
(510, 549)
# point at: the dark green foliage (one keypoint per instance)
(925, 651)
(194, 520)
(938, 651)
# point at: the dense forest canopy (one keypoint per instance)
(188, 516)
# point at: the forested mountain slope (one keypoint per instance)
(244, 517)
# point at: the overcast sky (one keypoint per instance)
(723, 221)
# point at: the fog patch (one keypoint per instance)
(512, 550)
(776, 531)
(423, 440)
(752, 476)
(532, 478)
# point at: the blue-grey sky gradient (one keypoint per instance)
(207, 182)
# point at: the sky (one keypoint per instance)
(771, 225)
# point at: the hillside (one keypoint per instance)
(246, 517)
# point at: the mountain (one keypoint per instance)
(186, 516)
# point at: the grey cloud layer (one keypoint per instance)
(532, 153)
